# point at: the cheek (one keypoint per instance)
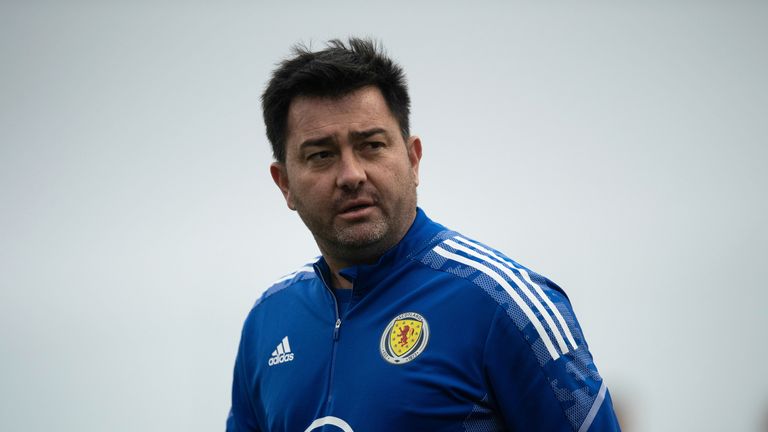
(395, 182)
(308, 190)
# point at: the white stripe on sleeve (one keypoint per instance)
(523, 288)
(515, 296)
(306, 269)
(536, 287)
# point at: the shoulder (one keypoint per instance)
(534, 329)
(536, 305)
(288, 283)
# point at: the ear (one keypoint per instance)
(414, 156)
(280, 177)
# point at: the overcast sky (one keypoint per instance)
(619, 149)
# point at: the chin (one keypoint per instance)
(362, 236)
(360, 239)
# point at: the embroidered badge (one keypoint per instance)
(404, 338)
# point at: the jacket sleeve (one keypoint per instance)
(533, 390)
(241, 416)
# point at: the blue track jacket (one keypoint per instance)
(442, 334)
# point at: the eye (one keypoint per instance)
(318, 156)
(373, 145)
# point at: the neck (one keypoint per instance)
(336, 279)
(338, 261)
(339, 257)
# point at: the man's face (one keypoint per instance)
(349, 174)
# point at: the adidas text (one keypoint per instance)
(282, 358)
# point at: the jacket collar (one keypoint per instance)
(422, 231)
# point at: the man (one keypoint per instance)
(402, 324)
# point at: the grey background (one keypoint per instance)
(617, 148)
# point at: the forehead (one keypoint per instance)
(317, 117)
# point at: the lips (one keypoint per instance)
(355, 205)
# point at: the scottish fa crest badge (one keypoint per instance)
(405, 338)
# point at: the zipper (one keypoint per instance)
(335, 306)
(336, 328)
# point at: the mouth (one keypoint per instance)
(356, 208)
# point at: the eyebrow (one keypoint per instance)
(316, 142)
(367, 133)
(354, 135)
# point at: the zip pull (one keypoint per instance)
(336, 329)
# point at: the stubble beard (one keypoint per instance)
(362, 242)
(356, 242)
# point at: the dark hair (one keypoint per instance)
(334, 72)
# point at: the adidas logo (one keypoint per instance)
(282, 354)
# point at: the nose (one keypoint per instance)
(351, 174)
